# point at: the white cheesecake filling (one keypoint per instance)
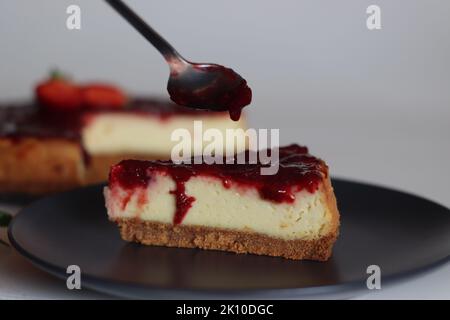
(236, 208)
(118, 133)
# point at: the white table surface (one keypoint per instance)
(397, 155)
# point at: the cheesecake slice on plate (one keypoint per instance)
(230, 207)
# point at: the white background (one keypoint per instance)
(374, 104)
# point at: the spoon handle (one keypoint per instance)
(144, 29)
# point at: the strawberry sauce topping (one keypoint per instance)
(233, 97)
(298, 170)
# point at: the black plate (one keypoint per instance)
(401, 233)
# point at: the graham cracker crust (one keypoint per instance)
(38, 166)
(161, 234)
(43, 166)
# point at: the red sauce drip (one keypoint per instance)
(125, 201)
(298, 170)
(183, 202)
(142, 198)
(242, 97)
(228, 92)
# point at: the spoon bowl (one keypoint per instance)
(208, 86)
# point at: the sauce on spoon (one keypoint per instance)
(217, 89)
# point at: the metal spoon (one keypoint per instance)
(195, 85)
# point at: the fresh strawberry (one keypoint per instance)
(58, 94)
(102, 96)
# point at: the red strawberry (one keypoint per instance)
(58, 94)
(102, 96)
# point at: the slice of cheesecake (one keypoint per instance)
(58, 142)
(230, 207)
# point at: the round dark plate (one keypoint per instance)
(401, 233)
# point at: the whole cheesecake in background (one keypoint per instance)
(230, 207)
(72, 134)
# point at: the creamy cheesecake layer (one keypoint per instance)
(112, 133)
(236, 208)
